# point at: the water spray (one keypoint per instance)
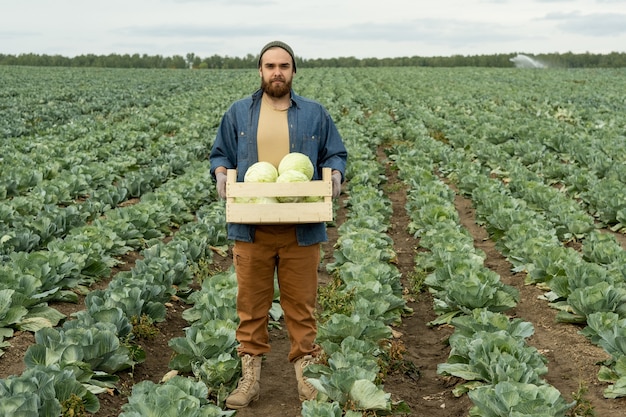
(524, 61)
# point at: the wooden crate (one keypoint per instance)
(279, 213)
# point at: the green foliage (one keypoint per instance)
(488, 321)
(215, 299)
(73, 407)
(178, 396)
(567, 60)
(491, 357)
(203, 341)
(349, 379)
(143, 327)
(334, 299)
(541, 166)
(608, 330)
(45, 391)
(314, 408)
(600, 297)
(583, 406)
(518, 399)
(339, 327)
(464, 285)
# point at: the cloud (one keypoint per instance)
(354, 28)
(18, 34)
(224, 2)
(430, 32)
(594, 24)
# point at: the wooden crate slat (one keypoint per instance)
(279, 213)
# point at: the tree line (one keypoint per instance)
(192, 61)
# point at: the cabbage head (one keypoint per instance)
(261, 171)
(291, 175)
(296, 161)
(256, 200)
(313, 199)
(264, 200)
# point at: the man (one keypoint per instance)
(266, 126)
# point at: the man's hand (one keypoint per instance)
(220, 178)
(336, 179)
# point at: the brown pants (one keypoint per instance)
(275, 249)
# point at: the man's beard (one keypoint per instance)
(276, 91)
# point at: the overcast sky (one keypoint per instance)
(314, 29)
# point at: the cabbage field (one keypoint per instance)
(476, 265)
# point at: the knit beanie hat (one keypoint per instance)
(280, 45)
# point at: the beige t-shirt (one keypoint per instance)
(272, 134)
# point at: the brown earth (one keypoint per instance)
(572, 360)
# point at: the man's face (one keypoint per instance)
(276, 72)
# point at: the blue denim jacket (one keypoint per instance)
(311, 132)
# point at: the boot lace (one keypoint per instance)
(306, 361)
(248, 374)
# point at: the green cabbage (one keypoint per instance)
(313, 199)
(294, 167)
(298, 162)
(291, 175)
(256, 200)
(261, 171)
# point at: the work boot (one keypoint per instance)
(306, 391)
(248, 388)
